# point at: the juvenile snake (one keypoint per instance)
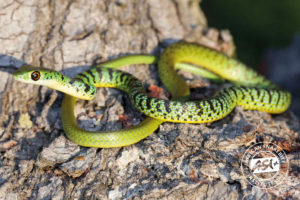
(252, 91)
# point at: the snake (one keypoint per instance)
(250, 90)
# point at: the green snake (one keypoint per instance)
(251, 91)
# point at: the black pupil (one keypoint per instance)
(35, 75)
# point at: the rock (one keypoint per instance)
(25, 121)
(60, 151)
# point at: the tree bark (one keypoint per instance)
(178, 161)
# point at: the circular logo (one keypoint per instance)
(265, 165)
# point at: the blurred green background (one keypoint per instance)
(255, 24)
(267, 37)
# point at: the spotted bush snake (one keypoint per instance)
(251, 91)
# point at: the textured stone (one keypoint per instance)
(178, 161)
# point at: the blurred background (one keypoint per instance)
(267, 37)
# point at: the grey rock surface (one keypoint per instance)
(178, 161)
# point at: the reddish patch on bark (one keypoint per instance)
(193, 176)
(155, 91)
(125, 121)
(7, 145)
(100, 117)
(283, 144)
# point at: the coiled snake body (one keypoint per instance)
(252, 91)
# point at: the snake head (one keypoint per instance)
(55, 80)
(33, 75)
(39, 76)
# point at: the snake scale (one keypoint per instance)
(251, 91)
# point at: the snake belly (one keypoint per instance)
(253, 92)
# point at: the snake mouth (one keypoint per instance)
(19, 75)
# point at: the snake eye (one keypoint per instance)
(35, 75)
